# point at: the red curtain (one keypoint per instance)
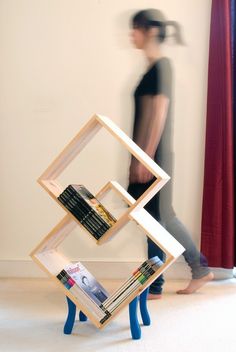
(217, 241)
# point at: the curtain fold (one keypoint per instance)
(218, 223)
(233, 46)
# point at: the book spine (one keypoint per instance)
(90, 220)
(102, 212)
(80, 215)
(107, 213)
(126, 284)
(135, 285)
(89, 227)
(86, 219)
(108, 315)
(139, 277)
(88, 210)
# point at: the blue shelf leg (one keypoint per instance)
(70, 318)
(143, 307)
(134, 323)
(82, 316)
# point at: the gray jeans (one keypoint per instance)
(167, 217)
(196, 260)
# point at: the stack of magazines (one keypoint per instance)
(83, 285)
(87, 209)
(139, 277)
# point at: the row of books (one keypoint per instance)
(87, 209)
(138, 279)
(83, 285)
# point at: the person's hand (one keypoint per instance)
(138, 173)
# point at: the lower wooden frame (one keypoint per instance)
(45, 262)
(47, 256)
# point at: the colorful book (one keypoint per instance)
(79, 294)
(87, 282)
(139, 277)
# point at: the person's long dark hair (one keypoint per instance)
(147, 19)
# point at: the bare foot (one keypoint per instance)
(195, 284)
(152, 296)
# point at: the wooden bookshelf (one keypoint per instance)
(47, 254)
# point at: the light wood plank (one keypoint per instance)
(133, 148)
(157, 233)
(66, 292)
(72, 149)
(139, 290)
(56, 235)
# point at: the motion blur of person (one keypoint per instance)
(153, 132)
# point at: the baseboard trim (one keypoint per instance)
(103, 270)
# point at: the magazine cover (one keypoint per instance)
(70, 284)
(87, 282)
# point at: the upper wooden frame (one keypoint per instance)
(48, 180)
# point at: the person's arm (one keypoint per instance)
(154, 111)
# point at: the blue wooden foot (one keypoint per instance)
(134, 323)
(82, 316)
(143, 307)
(70, 318)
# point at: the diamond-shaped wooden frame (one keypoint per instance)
(47, 255)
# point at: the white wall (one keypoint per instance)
(62, 61)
